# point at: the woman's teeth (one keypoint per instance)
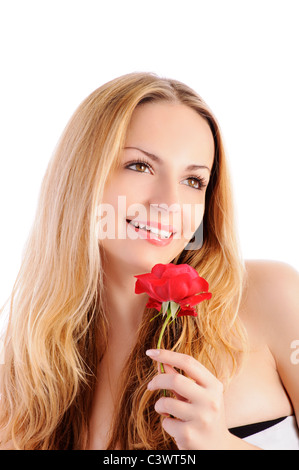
(155, 231)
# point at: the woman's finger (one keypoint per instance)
(183, 387)
(188, 364)
(174, 408)
(171, 371)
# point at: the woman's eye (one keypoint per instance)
(196, 183)
(140, 166)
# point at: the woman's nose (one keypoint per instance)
(165, 196)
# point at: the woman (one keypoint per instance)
(81, 361)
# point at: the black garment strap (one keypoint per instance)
(249, 429)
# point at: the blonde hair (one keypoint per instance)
(58, 330)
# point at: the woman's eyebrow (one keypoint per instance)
(159, 160)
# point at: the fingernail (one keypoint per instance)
(149, 385)
(152, 352)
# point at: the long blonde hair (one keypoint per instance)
(57, 330)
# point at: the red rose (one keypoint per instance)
(177, 283)
(173, 290)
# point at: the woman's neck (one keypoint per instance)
(125, 308)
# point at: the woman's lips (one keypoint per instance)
(154, 239)
(153, 224)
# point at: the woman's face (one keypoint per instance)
(160, 184)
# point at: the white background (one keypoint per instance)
(240, 55)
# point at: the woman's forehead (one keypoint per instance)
(171, 130)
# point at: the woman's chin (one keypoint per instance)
(138, 259)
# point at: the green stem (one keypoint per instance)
(162, 332)
(160, 340)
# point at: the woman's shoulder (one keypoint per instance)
(272, 296)
(274, 309)
(274, 282)
(269, 267)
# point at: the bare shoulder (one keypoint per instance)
(270, 268)
(276, 283)
(272, 313)
(273, 293)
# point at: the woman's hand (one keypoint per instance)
(198, 421)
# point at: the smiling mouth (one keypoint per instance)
(163, 234)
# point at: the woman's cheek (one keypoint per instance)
(192, 218)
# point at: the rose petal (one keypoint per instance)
(152, 303)
(187, 311)
(159, 269)
(177, 283)
(196, 299)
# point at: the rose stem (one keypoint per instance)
(160, 339)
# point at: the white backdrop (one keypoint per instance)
(240, 55)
